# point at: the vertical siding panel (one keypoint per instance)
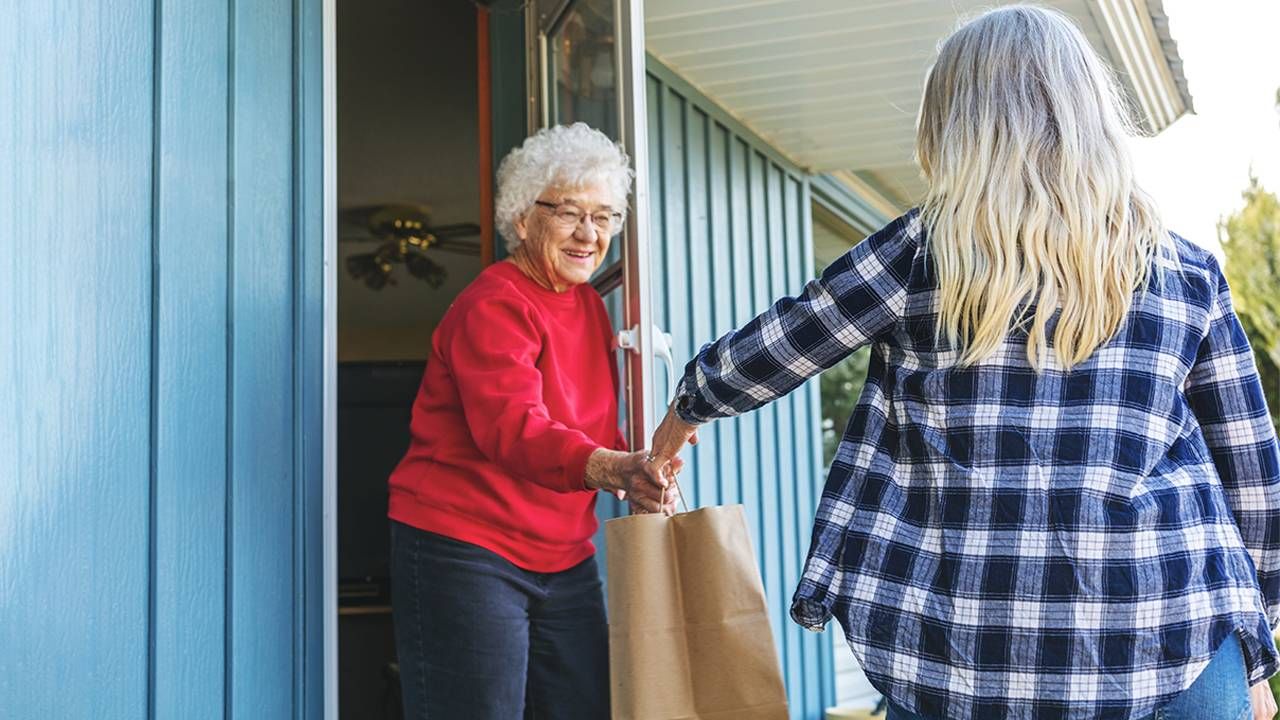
(76, 136)
(702, 490)
(780, 234)
(261, 572)
(720, 267)
(793, 454)
(748, 426)
(805, 483)
(766, 253)
(675, 241)
(191, 370)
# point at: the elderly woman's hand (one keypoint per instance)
(631, 476)
(668, 472)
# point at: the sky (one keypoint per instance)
(1197, 168)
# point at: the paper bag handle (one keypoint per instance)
(679, 492)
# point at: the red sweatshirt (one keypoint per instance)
(520, 388)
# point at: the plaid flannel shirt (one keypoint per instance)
(1000, 543)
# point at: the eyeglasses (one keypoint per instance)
(607, 223)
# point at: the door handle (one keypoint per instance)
(663, 345)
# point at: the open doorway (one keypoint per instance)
(427, 96)
(410, 238)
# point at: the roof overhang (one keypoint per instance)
(835, 84)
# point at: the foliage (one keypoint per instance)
(840, 387)
(1251, 241)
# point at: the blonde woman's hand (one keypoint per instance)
(1264, 703)
(669, 439)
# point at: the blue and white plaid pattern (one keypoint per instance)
(1001, 543)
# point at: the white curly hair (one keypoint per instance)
(564, 156)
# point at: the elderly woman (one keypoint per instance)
(496, 597)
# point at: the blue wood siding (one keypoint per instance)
(76, 238)
(731, 228)
(192, 371)
(160, 350)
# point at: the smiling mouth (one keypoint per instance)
(578, 254)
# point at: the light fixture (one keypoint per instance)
(407, 235)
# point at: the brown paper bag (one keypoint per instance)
(689, 635)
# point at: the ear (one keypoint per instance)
(521, 225)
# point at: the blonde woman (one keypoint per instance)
(1059, 495)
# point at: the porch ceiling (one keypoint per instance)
(835, 84)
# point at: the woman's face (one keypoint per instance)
(567, 232)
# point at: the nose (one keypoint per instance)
(586, 230)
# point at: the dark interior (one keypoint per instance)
(408, 149)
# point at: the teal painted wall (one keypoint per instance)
(730, 223)
(160, 357)
(161, 334)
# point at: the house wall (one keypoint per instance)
(732, 232)
(160, 359)
(160, 371)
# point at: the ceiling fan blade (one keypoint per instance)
(426, 269)
(454, 230)
(455, 247)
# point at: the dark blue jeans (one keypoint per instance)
(1220, 692)
(478, 637)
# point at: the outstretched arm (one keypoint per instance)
(858, 298)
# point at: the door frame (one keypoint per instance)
(329, 491)
(640, 340)
(318, 78)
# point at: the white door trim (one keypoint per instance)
(329, 86)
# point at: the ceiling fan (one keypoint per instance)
(405, 233)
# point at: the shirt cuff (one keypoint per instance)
(575, 472)
(686, 402)
(683, 408)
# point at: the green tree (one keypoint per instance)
(1251, 241)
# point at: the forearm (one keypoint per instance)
(602, 470)
(671, 435)
(530, 445)
(858, 298)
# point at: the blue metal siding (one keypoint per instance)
(191, 375)
(75, 359)
(260, 578)
(160, 335)
(731, 228)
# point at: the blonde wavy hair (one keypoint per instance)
(1031, 196)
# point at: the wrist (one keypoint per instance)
(600, 471)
